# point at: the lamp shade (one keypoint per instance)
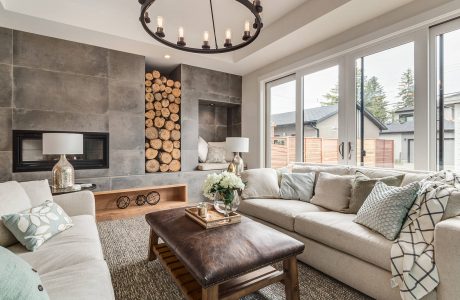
(62, 143)
(237, 144)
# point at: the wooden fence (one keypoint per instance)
(379, 153)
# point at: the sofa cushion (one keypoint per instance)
(453, 206)
(73, 246)
(333, 191)
(413, 177)
(277, 211)
(376, 172)
(38, 191)
(13, 199)
(87, 280)
(297, 186)
(337, 230)
(260, 183)
(337, 170)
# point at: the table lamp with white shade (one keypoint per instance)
(61, 144)
(237, 145)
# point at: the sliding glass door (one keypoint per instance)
(321, 117)
(385, 108)
(281, 122)
(446, 90)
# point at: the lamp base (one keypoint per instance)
(63, 174)
(237, 165)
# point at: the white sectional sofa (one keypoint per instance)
(349, 252)
(71, 264)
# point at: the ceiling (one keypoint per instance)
(289, 26)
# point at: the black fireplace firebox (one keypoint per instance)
(28, 155)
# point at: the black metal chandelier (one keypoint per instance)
(254, 7)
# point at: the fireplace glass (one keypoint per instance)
(28, 156)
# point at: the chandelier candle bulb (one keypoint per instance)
(160, 31)
(247, 32)
(206, 41)
(228, 38)
(181, 41)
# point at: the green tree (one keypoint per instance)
(332, 97)
(375, 99)
(406, 90)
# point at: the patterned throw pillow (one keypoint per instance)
(386, 208)
(216, 155)
(34, 226)
(18, 280)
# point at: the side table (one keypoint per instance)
(76, 188)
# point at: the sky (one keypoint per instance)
(387, 66)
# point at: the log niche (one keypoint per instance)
(162, 123)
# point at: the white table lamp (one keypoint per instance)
(237, 145)
(63, 173)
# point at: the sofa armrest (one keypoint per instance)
(447, 257)
(79, 203)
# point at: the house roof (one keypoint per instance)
(408, 127)
(405, 109)
(316, 115)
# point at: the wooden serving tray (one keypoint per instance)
(213, 219)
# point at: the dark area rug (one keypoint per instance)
(125, 244)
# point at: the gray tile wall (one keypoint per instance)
(205, 85)
(53, 84)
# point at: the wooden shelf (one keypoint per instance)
(171, 196)
(229, 290)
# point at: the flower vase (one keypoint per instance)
(226, 209)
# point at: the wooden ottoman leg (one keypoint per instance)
(291, 281)
(211, 293)
(153, 241)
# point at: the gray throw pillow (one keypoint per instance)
(386, 208)
(362, 187)
(297, 186)
(215, 155)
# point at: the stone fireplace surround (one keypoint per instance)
(53, 84)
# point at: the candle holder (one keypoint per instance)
(160, 32)
(206, 45)
(181, 42)
(228, 43)
(246, 35)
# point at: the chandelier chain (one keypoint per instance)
(213, 24)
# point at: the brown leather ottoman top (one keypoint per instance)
(216, 255)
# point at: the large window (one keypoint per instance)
(281, 119)
(385, 108)
(448, 99)
(321, 116)
(392, 102)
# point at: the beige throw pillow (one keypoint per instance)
(260, 183)
(38, 191)
(333, 191)
(362, 187)
(215, 155)
(13, 199)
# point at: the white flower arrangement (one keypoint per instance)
(224, 183)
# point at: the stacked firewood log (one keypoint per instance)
(162, 123)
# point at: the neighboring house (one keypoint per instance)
(321, 122)
(402, 132)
